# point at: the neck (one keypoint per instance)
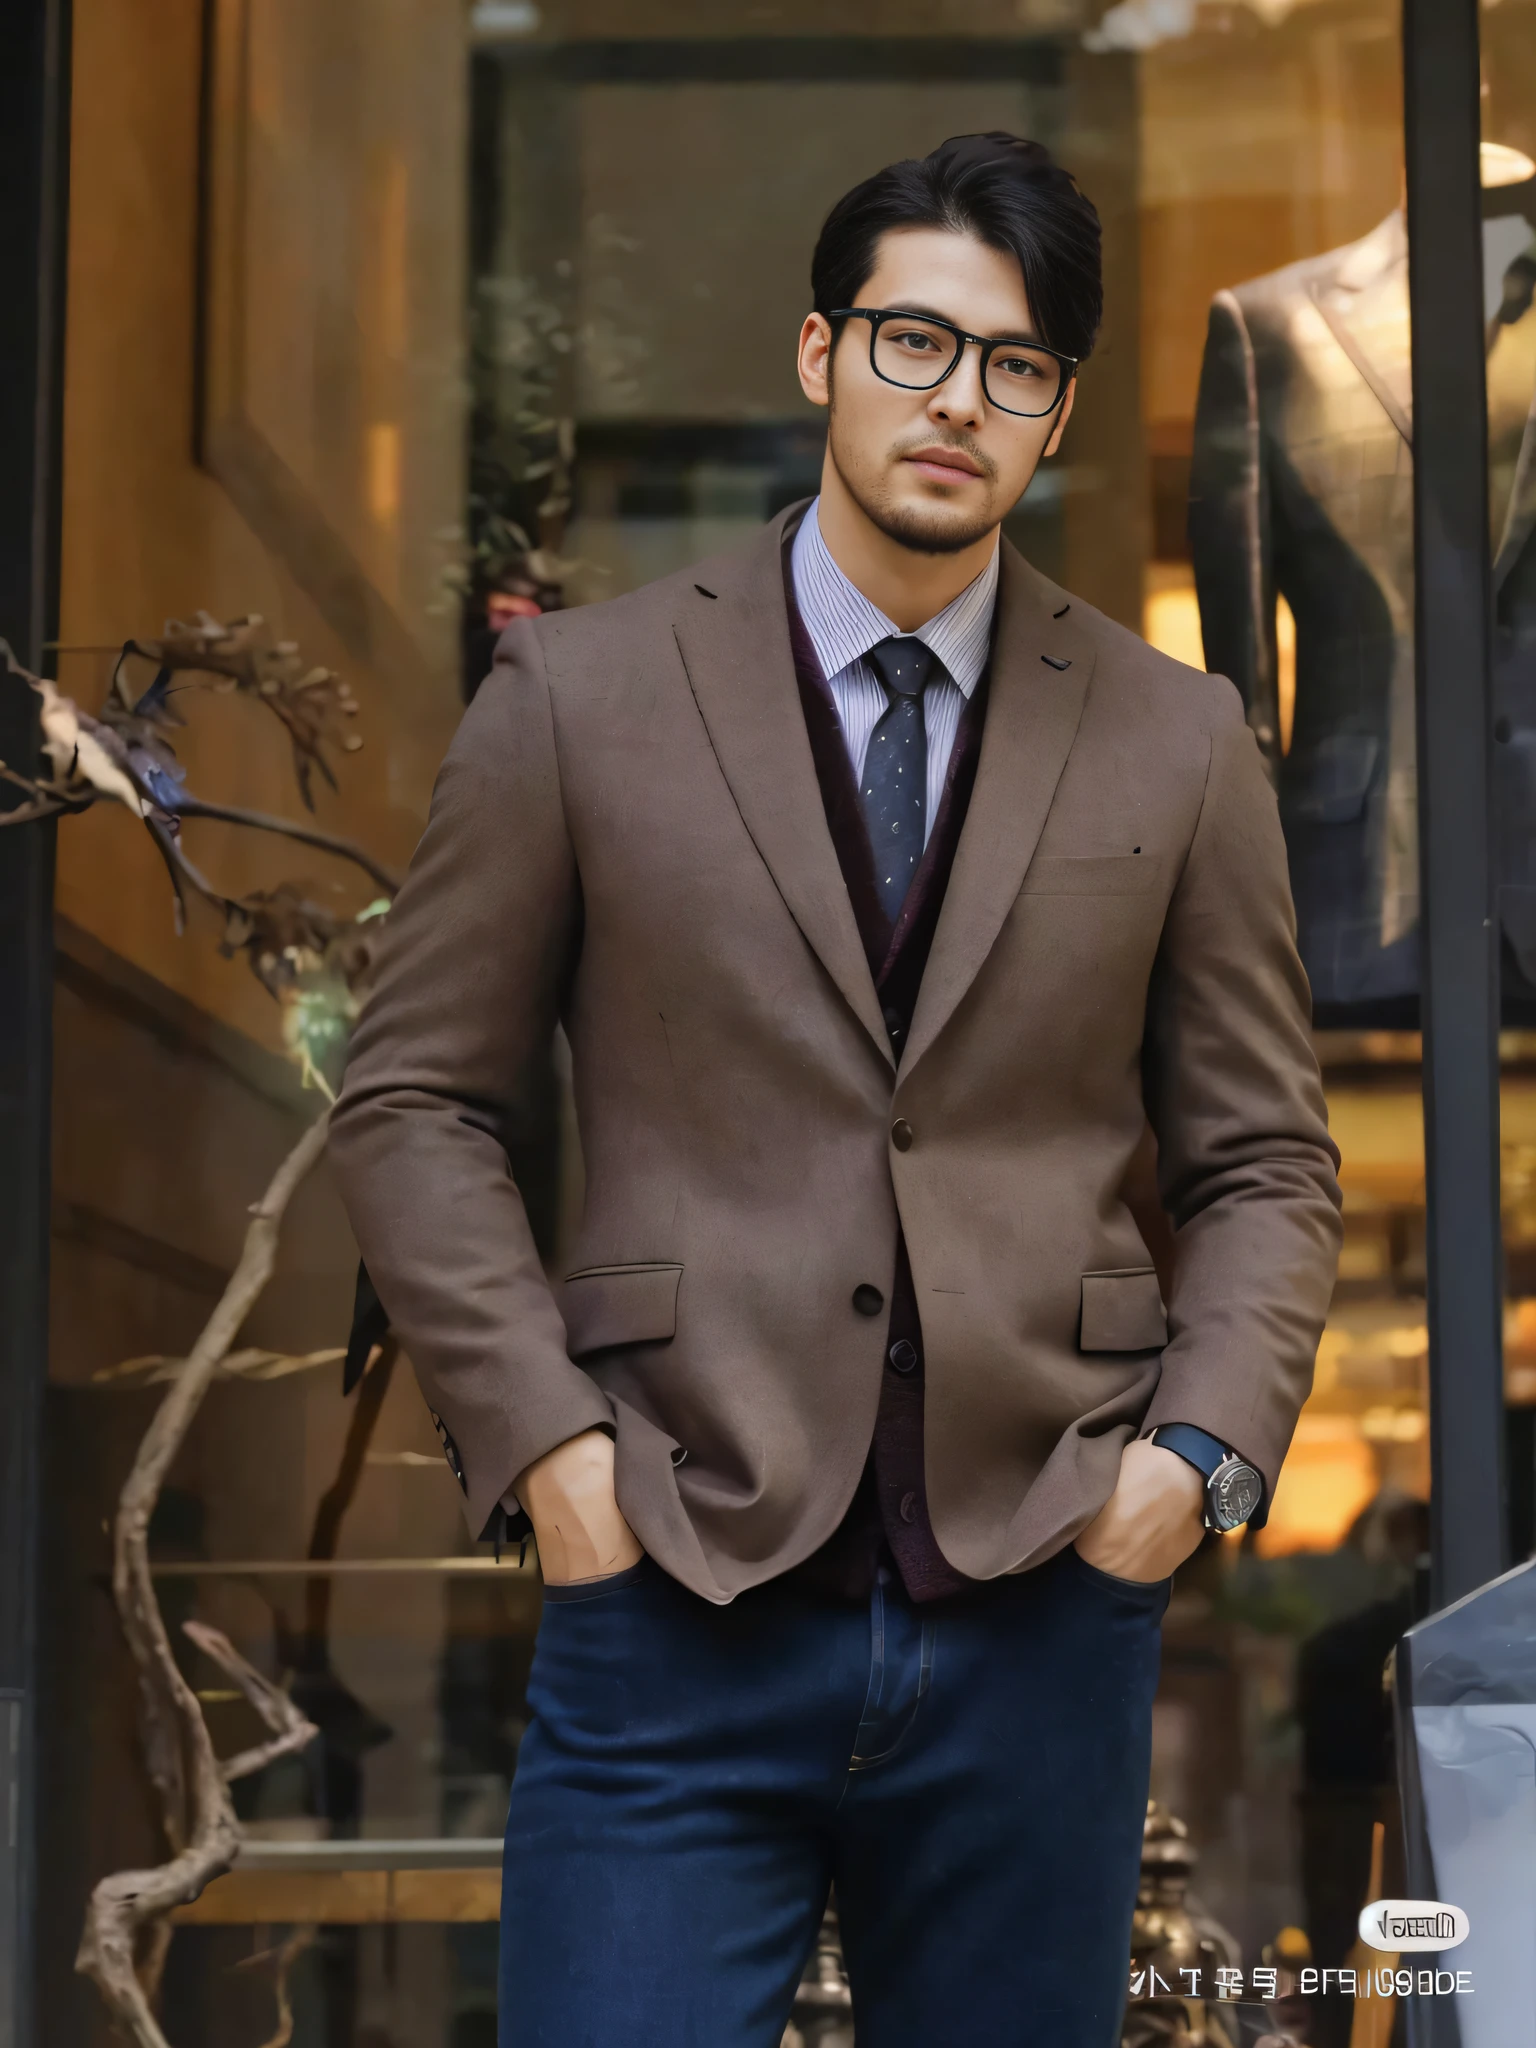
(909, 587)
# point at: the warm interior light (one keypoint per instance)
(1170, 622)
(1502, 165)
(383, 446)
(1330, 1474)
(1285, 670)
(1170, 617)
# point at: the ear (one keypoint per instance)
(1061, 421)
(815, 359)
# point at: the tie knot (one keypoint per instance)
(904, 665)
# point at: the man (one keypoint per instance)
(885, 893)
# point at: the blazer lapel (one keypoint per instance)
(1365, 306)
(735, 647)
(1041, 667)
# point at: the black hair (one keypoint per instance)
(1010, 194)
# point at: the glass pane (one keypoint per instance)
(1277, 387)
(332, 419)
(265, 413)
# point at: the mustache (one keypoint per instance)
(962, 444)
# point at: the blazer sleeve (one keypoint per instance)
(479, 944)
(1246, 1169)
(1229, 524)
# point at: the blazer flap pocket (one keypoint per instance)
(1123, 1312)
(1091, 874)
(605, 1305)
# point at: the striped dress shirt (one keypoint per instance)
(843, 625)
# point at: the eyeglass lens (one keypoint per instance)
(919, 354)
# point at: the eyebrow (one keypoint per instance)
(932, 313)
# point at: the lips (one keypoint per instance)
(947, 465)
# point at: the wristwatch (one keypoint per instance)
(1233, 1489)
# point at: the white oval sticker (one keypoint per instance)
(1400, 1924)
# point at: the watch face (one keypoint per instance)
(1235, 1491)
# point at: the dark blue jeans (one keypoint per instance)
(972, 1777)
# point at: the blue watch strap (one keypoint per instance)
(1196, 1446)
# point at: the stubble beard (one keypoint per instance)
(925, 529)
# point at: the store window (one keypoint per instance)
(412, 318)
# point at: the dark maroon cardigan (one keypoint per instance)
(889, 1512)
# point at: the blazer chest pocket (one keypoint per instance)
(608, 1305)
(1091, 874)
(1122, 1311)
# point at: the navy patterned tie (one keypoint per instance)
(895, 781)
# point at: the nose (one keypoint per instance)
(960, 401)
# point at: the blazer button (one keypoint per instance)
(903, 1354)
(868, 1300)
(908, 1509)
(901, 1135)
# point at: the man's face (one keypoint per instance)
(935, 470)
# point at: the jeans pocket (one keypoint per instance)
(597, 1589)
(1148, 1591)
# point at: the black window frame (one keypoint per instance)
(34, 71)
(1460, 929)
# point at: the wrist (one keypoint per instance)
(1232, 1490)
(1178, 1476)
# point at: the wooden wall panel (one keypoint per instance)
(351, 322)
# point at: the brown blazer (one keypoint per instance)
(627, 835)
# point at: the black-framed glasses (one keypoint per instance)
(918, 352)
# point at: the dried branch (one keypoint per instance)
(311, 701)
(124, 757)
(193, 1787)
(154, 1947)
(155, 1367)
(290, 1730)
(45, 800)
(315, 964)
(328, 842)
(39, 807)
(119, 756)
(280, 1961)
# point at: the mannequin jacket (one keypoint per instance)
(1302, 485)
(627, 837)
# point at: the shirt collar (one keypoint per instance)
(843, 625)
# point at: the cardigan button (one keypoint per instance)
(908, 1508)
(903, 1355)
(868, 1300)
(901, 1135)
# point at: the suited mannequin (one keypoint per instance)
(1302, 486)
